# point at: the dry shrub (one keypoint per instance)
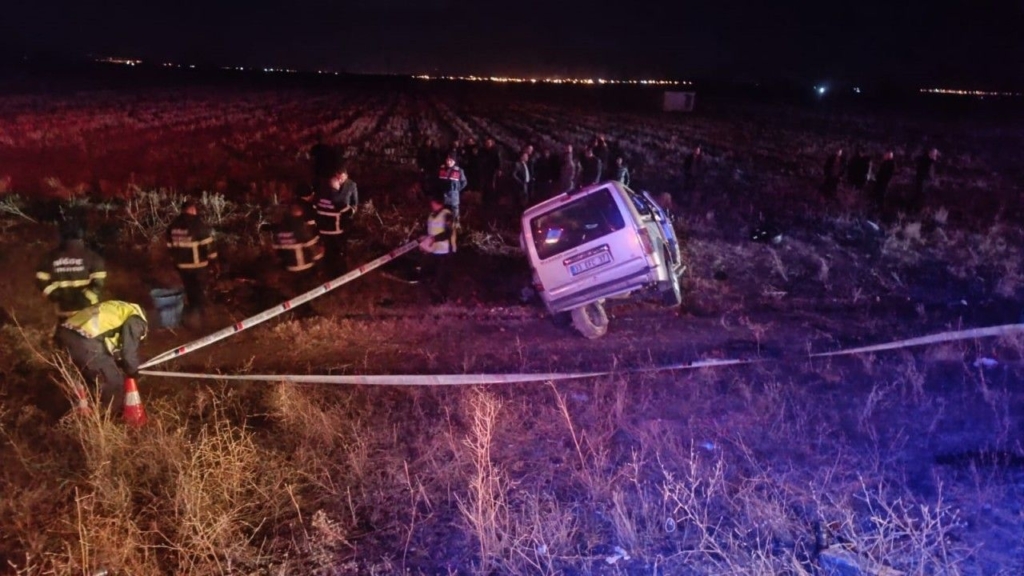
(140, 493)
(301, 418)
(224, 491)
(485, 508)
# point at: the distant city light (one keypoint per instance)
(122, 61)
(820, 90)
(856, 89)
(584, 81)
(961, 92)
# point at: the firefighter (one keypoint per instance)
(71, 276)
(451, 181)
(96, 337)
(297, 245)
(336, 202)
(190, 241)
(438, 247)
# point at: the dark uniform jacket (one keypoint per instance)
(590, 170)
(450, 180)
(297, 244)
(331, 204)
(191, 242)
(71, 277)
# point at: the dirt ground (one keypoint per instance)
(909, 459)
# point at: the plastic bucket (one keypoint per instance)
(169, 304)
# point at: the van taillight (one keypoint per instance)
(645, 239)
(537, 284)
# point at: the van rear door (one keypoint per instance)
(586, 247)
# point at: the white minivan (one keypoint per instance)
(600, 242)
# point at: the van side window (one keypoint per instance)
(640, 202)
(571, 225)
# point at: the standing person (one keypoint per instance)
(568, 171)
(693, 169)
(191, 244)
(427, 159)
(547, 168)
(860, 167)
(469, 158)
(835, 165)
(922, 179)
(590, 168)
(603, 153)
(531, 167)
(451, 181)
(886, 169)
(324, 159)
(71, 276)
(438, 247)
(95, 336)
(336, 204)
(621, 171)
(489, 161)
(523, 177)
(297, 245)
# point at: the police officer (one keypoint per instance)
(71, 276)
(438, 246)
(451, 181)
(190, 241)
(297, 244)
(96, 336)
(336, 202)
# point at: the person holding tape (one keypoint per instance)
(71, 276)
(190, 241)
(103, 339)
(438, 247)
(336, 202)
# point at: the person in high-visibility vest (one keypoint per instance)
(71, 276)
(96, 337)
(438, 246)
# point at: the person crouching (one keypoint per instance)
(96, 336)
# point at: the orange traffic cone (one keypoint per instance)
(134, 413)
(83, 401)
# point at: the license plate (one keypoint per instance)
(599, 259)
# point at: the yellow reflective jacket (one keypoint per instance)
(104, 320)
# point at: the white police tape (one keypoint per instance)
(951, 336)
(280, 308)
(436, 379)
(516, 378)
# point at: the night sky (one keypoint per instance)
(957, 43)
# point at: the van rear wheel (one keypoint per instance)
(590, 320)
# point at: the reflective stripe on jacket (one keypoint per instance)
(296, 253)
(71, 277)
(438, 224)
(104, 320)
(191, 242)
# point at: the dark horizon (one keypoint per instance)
(958, 44)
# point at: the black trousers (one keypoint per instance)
(196, 281)
(335, 246)
(95, 363)
(437, 271)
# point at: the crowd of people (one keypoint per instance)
(872, 176)
(529, 176)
